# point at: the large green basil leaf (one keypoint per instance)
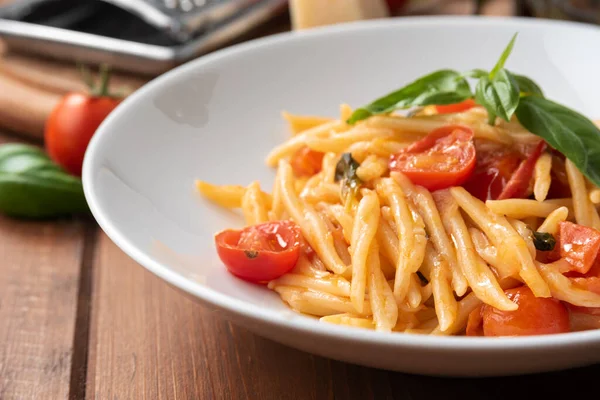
(527, 86)
(567, 131)
(440, 87)
(499, 95)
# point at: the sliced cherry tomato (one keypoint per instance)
(494, 168)
(456, 107)
(444, 158)
(262, 252)
(535, 316)
(306, 162)
(518, 184)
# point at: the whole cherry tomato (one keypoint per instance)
(73, 122)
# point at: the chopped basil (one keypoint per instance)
(345, 171)
(544, 241)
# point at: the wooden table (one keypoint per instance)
(79, 319)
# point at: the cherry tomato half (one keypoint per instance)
(72, 124)
(535, 316)
(444, 158)
(456, 107)
(306, 162)
(262, 252)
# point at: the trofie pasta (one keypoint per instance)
(456, 218)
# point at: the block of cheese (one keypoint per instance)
(312, 13)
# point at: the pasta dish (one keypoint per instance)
(435, 209)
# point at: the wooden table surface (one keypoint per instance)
(81, 320)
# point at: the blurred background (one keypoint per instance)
(42, 40)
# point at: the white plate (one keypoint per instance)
(217, 117)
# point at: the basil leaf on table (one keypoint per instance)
(33, 186)
(498, 94)
(569, 132)
(527, 86)
(440, 87)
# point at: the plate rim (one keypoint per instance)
(309, 325)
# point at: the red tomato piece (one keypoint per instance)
(456, 107)
(535, 316)
(262, 252)
(444, 158)
(306, 162)
(579, 245)
(519, 182)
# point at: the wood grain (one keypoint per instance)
(30, 88)
(23, 108)
(39, 276)
(57, 77)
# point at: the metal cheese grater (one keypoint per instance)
(143, 36)
(183, 19)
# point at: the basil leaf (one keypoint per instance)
(345, 171)
(527, 86)
(567, 131)
(503, 57)
(440, 87)
(499, 95)
(544, 241)
(33, 186)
